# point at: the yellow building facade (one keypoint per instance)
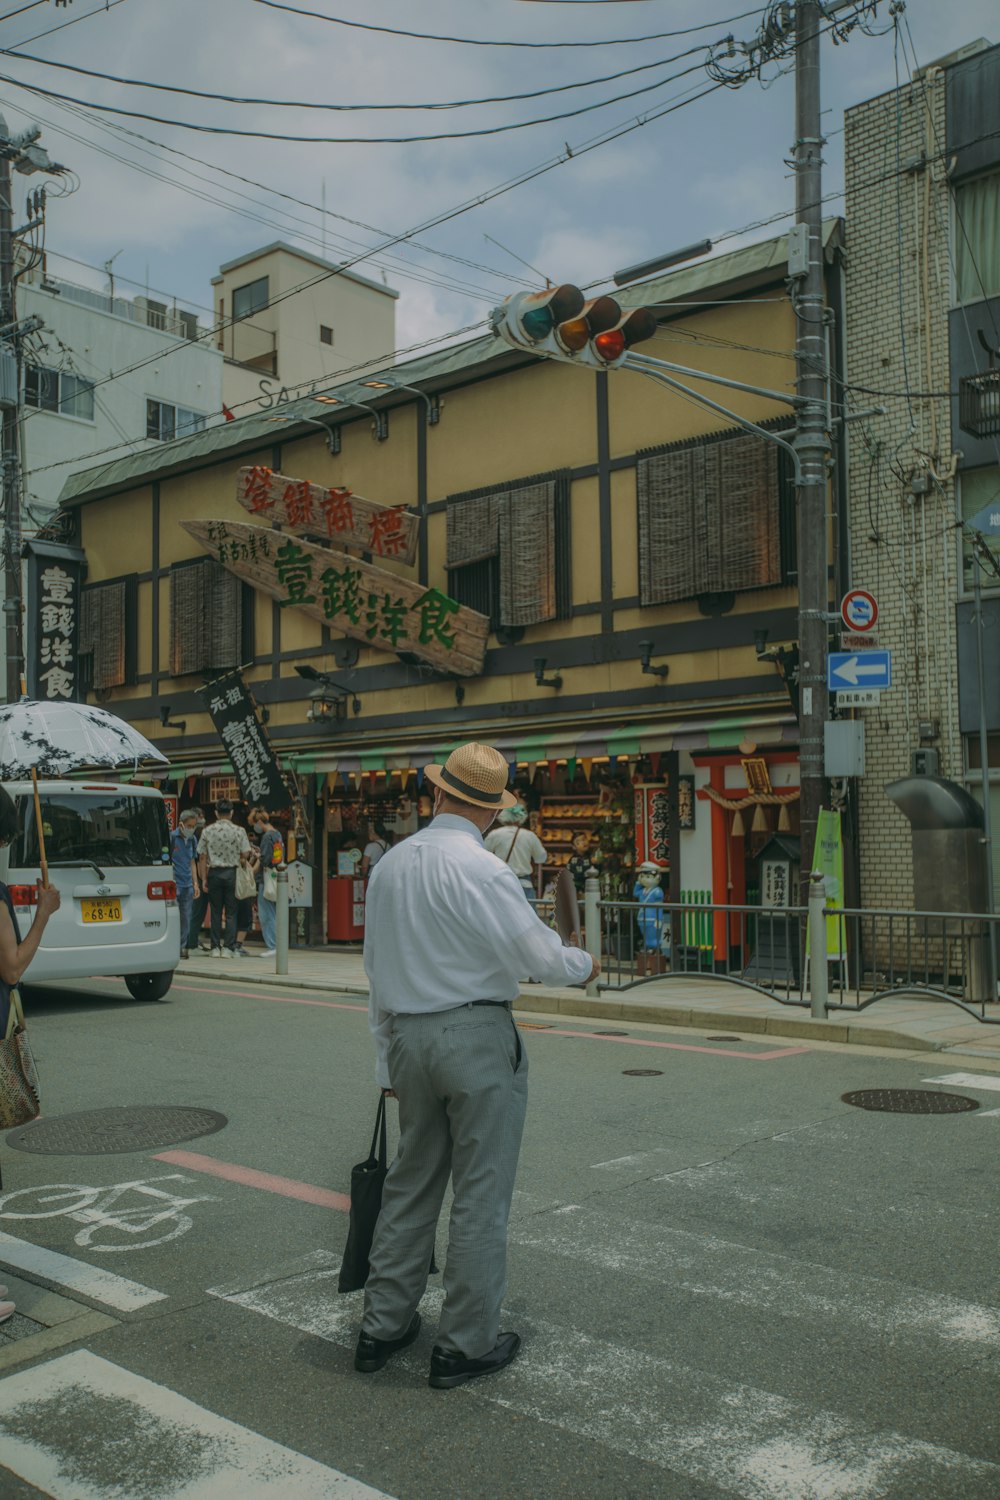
(609, 528)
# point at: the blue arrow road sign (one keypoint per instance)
(858, 669)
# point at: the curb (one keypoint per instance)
(648, 1012)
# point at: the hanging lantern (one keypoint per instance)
(654, 758)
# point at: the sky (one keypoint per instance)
(710, 168)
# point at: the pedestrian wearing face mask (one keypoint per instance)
(184, 856)
(517, 846)
(447, 933)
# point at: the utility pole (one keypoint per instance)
(13, 635)
(812, 437)
(23, 153)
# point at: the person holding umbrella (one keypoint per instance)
(16, 953)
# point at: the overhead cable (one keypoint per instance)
(468, 41)
(350, 140)
(176, 88)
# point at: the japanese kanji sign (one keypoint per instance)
(365, 602)
(53, 630)
(347, 519)
(247, 745)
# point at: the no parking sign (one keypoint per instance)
(859, 610)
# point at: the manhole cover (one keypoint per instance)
(911, 1101)
(105, 1132)
(643, 1072)
(610, 1033)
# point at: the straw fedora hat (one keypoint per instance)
(474, 773)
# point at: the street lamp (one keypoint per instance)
(332, 434)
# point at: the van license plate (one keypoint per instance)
(101, 911)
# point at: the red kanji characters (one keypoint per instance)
(385, 536)
(337, 510)
(257, 489)
(298, 503)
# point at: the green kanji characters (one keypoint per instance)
(294, 569)
(340, 593)
(435, 608)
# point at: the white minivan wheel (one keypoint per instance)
(149, 986)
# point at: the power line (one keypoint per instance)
(21, 9)
(446, 104)
(75, 21)
(351, 140)
(466, 41)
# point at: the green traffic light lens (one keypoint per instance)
(537, 323)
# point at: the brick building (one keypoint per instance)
(923, 282)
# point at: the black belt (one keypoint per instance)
(507, 1004)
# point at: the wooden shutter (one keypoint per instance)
(206, 614)
(524, 529)
(527, 555)
(708, 519)
(103, 632)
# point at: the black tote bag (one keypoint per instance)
(366, 1202)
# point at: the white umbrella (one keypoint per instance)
(56, 739)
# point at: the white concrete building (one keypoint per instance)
(74, 411)
(288, 320)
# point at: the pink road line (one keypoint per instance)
(196, 989)
(634, 1041)
(306, 1192)
(588, 1036)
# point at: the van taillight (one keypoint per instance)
(24, 895)
(161, 890)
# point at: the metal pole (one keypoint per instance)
(984, 761)
(812, 438)
(819, 976)
(11, 441)
(281, 923)
(592, 920)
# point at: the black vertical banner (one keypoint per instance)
(52, 624)
(234, 715)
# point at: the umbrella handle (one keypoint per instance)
(41, 832)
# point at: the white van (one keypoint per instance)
(108, 849)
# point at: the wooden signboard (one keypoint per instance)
(346, 518)
(362, 601)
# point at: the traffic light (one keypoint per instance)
(561, 323)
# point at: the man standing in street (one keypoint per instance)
(223, 847)
(184, 857)
(447, 934)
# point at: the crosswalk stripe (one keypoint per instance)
(180, 1450)
(766, 1281)
(754, 1443)
(988, 1081)
(76, 1275)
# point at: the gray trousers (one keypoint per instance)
(461, 1078)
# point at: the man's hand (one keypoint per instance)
(389, 1094)
(595, 968)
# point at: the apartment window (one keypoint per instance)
(977, 239)
(164, 422)
(250, 299)
(58, 391)
(508, 551)
(715, 516)
(325, 334)
(978, 488)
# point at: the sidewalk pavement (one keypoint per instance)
(910, 1022)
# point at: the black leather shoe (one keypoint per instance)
(449, 1369)
(371, 1353)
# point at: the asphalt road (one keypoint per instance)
(729, 1282)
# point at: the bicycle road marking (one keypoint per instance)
(94, 1208)
(181, 1450)
(76, 1276)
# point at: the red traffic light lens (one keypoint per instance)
(611, 345)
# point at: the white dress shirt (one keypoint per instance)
(446, 922)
